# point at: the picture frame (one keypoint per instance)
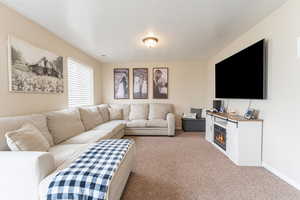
(160, 80)
(249, 113)
(121, 83)
(34, 70)
(140, 83)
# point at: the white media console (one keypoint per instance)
(238, 138)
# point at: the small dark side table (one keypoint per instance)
(197, 125)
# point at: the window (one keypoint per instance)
(80, 84)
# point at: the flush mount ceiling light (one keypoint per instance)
(150, 41)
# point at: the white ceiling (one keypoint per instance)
(187, 29)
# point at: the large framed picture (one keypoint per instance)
(121, 83)
(33, 70)
(160, 83)
(140, 83)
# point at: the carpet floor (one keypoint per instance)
(187, 167)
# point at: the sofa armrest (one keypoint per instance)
(171, 124)
(22, 172)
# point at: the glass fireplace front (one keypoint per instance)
(220, 136)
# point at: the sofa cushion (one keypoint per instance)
(124, 107)
(27, 138)
(138, 111)
(136, 123)
(103, 109)
(157, 123)
(64, 124)
(91, 136)
(115, 113)
(65, 152)
(159, 110)
(112, 126)
(90, 117)
(12, 123)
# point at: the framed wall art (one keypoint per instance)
(140, 83)
(33, 70)
(121, 83)
(160, 83)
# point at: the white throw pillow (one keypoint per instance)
(190, 115)
(138, 111)
(64, 124)
(90, 117)
(115, 113)
(124, 107)
(159, 110)
(27, 138)
(103, 109)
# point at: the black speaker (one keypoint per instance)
(217, 104)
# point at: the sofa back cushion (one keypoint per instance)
(64, 124)
(115, 113)
(27, 138)
(13, 123)
(103, 109)
(159, 110)
(125, 108)
(139, 111)
(90, 117)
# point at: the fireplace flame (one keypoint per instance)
(221, 138)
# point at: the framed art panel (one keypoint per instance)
(33, 70)
(140, 83)
(160, 83)
(121, 83)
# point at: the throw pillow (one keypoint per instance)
(124, 107)
(198, 112)
(115, 113)
(27, 138)
(138, 111)
(90, 117)
(64, 124)
(159, 110)
(103, 109)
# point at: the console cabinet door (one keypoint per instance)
(232, 141)
(209, 128)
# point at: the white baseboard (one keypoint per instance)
(281, 175)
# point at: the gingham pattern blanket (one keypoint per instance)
(89, 177)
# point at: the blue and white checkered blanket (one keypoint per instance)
(89, 177)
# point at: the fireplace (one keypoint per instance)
(220, 136)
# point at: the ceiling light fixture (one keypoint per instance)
(150, 41)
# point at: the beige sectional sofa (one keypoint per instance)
(27, 174)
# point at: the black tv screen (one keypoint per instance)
(243, 75)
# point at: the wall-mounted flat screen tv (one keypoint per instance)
(243, 75)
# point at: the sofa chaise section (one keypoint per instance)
(68, 138)
(118, 182)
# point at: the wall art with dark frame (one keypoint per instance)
(160, 83)
(140, 83)
(121, 83)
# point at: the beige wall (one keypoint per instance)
(15, 104)
(281, 110)
(186, 83)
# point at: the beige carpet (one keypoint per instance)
(186, 167)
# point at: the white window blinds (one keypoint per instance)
(80, 84)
